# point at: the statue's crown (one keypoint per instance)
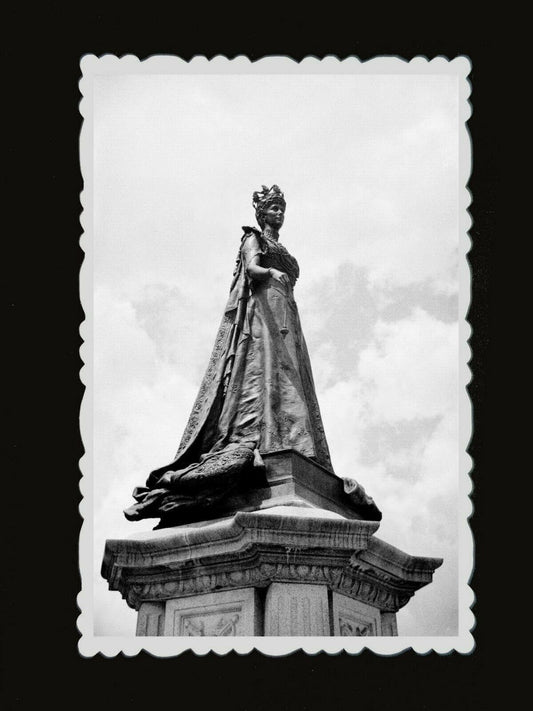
(264, 197)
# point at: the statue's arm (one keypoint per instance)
(256, 271)
(252, 261)
(251, 252)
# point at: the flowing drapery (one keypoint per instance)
(258, 390)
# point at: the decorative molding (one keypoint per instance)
(351, 628)
(354, 618)
(226, 626)
(341, 579)
(254, 550)
(384, 559)
(225, 613)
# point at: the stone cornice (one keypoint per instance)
(173, 546)
(394, 562)
(258, 548)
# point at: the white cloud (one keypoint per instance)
(411, 368)
(393, 427)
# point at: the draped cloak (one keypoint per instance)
(258, 390)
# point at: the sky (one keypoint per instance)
(369, 168)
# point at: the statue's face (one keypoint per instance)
(274, 215)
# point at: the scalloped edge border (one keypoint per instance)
(90, 645)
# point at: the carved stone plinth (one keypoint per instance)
(286, 571)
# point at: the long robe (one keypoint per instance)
(258, 390)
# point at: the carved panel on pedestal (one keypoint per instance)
(355, 626)
(353, 618)
(216, 624)
(232, 613)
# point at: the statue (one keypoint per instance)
(257, 395)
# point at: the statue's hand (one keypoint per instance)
(279, 276)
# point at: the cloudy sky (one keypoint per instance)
(369, 167)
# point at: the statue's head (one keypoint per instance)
(269, 205)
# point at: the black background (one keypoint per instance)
(40, 660)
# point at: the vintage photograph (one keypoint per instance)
(275, 353)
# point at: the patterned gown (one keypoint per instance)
(258, 391)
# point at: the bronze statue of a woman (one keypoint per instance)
(258, 394)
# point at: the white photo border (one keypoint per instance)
(89, 644)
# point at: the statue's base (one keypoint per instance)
(282, 571)
(288, 479)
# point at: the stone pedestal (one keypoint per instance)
(287, 570)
